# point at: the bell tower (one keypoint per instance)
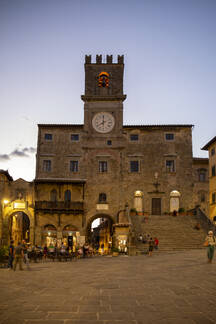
(103, 98)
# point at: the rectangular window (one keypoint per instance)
(46, 165)
(170, 165)
(212, 151)
(109, 142)
(169, 136)
(74, 137)
(134, 166)
(48, 137)
(74, 166)
(102, 166)
(202, 177)
(213, 171)
(134, 137)
(213, 198)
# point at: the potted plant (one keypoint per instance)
(115, 251)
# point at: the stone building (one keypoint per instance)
(104, 169)
(97, 168)
(211, 148)
(17, 209)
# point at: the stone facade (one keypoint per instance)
(211, 148)
(103, 168)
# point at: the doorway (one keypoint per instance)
(19, 227)
(156, 206)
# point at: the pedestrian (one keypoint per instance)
(11, 255)
(156, 243)
(151, 246)
(25, 254)
(18, 256)
(210, 244)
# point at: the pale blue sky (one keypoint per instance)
(170, 71)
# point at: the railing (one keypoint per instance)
(59, 205)
(203, 219)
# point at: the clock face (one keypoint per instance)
(103, 122)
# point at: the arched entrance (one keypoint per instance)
(174, 200)
(70, 236)
(19, 227)
(49, 237)
(99, 233)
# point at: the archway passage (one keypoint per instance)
(99, 234)
(19, 227)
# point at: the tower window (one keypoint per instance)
(74, 137)
(134, 137)
(48, 137)
(169, 137)
(109, 142)
(103, 80)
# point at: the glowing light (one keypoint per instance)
(5, 201)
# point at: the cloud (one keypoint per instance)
(4, 157)
(25, 152)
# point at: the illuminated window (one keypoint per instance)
(103, 80)
(46, 165)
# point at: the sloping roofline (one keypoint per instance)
(6, 173)
(206, 147)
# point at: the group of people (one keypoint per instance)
(153, 243)
(18, 254)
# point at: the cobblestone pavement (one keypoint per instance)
(165, 288)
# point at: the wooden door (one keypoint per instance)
(156, 206)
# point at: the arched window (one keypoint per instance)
(102, 198)
(67, 195)
(53, 195)
(138, 201)
(103, 80)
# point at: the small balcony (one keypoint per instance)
(60, 206)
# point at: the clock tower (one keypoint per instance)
(103, 98)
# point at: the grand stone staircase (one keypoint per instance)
(174, 232)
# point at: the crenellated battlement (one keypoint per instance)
(99, 59)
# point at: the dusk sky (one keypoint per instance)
(170, 66)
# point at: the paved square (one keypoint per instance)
(166, 288)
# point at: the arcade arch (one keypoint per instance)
(99, 233)
(19, 227)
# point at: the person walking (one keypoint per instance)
(151, 246)
(11, 255)
(25, 254)
(210, 244)
(18, 256)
